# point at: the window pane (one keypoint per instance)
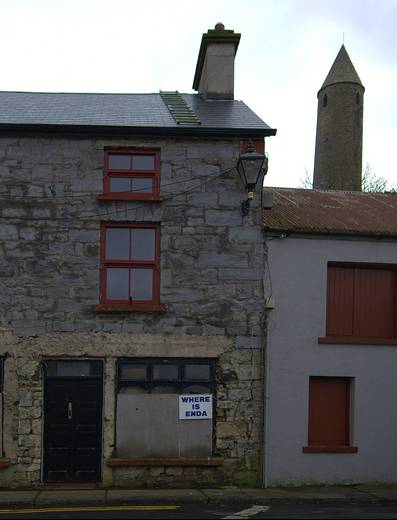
(117, 244)
(196, 389)
(73, 368)
(142, 284)
(196, 373)
(164, 389)
(134, 372)
(165, 372)
(120, 162)
(143, 162)
(143, 244)
(135, 389)
(117, 283)
(120, 184)
(142, 184)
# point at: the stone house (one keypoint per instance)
(129, 277)
(332, 314)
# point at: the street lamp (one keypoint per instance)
(250, 167)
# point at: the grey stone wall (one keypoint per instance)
(211, 283)
(339, 138)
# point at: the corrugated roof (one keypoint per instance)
(122, 110)
(335, 212)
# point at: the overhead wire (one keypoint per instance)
(125, 210)
(55, 198)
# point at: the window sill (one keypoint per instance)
(121, 196)
(170, 461)
(5, 463)
(138, 307)
(329, 449)
(350, 340)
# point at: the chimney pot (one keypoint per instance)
(214, 76)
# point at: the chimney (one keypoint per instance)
(214, 76)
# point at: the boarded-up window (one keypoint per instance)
(329, 411)
(361, 302)
(148, 423)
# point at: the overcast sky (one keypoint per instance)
(286, 50)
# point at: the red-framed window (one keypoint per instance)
(361, 303)
(131, 174)
(130, 265)
(329, 415)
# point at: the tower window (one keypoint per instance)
(357, 98)
(325, 100)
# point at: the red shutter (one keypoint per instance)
(329, 400)
(361, 302)
(340, 301)
(374, 303)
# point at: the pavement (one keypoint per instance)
(72, 496)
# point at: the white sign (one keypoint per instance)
(195, 406)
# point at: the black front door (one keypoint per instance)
(72, 429)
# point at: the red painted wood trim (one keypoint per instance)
(351, 340)
(361, 302)
(154, 174)
(259, 145)
(330, 449)
(153, 264)
(209, 461)
(127, 196)
(5, 463)
(365, 265)
(329, 399)
(138, 307)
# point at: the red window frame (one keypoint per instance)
(107, 304)
(329, 415)
(361, 304)
(259, 145)
(131, 173)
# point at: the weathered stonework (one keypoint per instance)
(339, 135)
(211, 284)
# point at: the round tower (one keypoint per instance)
(339, 137)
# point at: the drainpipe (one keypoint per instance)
(266, 362)
(265, 394)
(265, 407)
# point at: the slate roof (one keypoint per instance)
(123, 110)
(332, 212)
(342, 70)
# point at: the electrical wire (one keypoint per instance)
(126, 210)
(55, 198)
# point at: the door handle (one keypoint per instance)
(70, 411)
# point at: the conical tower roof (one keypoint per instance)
(342, 70)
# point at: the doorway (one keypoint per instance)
(72, 421)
